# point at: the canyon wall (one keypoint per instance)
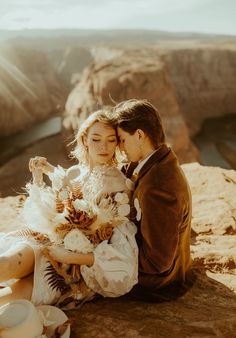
(29, 91)
(187, 84)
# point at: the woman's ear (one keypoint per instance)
(85, 142)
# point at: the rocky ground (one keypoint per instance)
(208, 307)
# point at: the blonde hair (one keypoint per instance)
(81, 152)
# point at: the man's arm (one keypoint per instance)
(161, 215)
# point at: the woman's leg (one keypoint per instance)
(16, 262)
(22, 289)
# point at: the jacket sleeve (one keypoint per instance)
(160, 218)
(115, 269)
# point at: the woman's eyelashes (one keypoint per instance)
(109, 140)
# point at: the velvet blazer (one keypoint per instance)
(161, 209)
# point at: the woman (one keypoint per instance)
(110, 267)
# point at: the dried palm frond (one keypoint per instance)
(55, 280)
(69, 205)
(60, 275)
(30, 234)
(76, 192)
(60, 269)
(59, 204)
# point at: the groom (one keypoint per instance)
(161, 202)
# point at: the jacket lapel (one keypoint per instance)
(159, 154)
(128, 170)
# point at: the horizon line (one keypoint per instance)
(116, 29)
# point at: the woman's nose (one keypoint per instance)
(104, 146)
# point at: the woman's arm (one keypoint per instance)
(38, 166)
(57, 175)
(115, 268)
(40, 163)
(62, 255)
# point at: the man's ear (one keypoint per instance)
(141, 134)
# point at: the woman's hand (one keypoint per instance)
(62, 255)
(39, 163)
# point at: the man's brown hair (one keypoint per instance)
(136, 114)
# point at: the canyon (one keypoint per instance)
(191, 79)
(51, 81)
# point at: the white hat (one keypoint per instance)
(52, 318)
(21, 319)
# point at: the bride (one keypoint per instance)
(79, 241)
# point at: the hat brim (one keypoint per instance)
(55, 315)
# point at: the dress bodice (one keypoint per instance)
(102, 180)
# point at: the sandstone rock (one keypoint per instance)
(214, 199)
(207, 309)
(214, 220)
(188, 82)
(204, 79)
(29, 92)
(127, 77)
(69, 61)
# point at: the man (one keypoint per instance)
(161, 202)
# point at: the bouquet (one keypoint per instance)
(65, 217)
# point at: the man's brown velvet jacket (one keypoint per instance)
(163, 237)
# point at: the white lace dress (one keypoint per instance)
(115, 268)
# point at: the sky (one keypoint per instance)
(204, 16)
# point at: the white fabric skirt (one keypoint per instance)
(42, 292)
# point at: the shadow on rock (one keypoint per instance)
(205, 309)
